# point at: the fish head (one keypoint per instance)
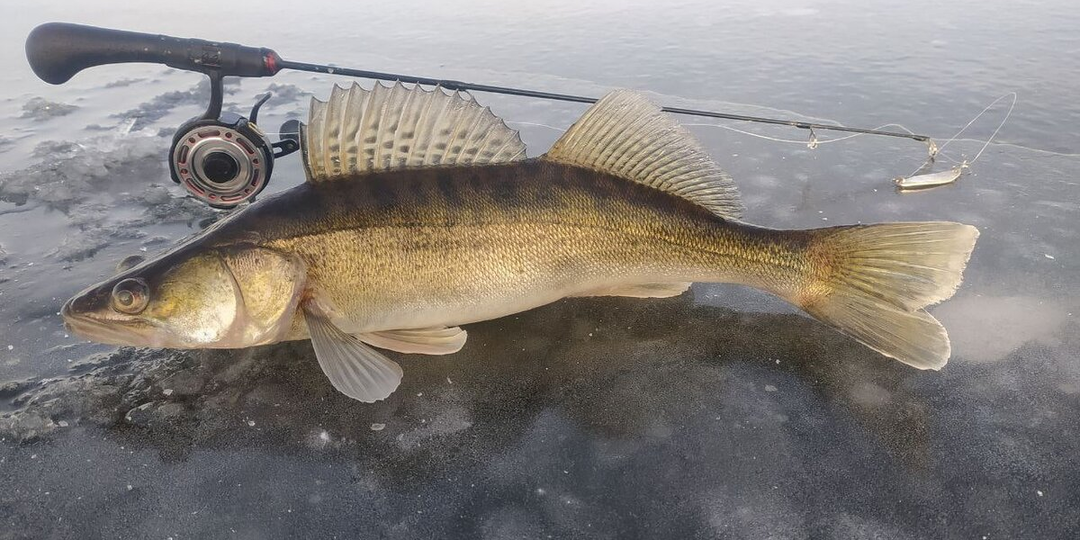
(196, 298)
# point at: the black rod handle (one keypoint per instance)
(57, 51)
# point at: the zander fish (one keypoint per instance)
(421, 212)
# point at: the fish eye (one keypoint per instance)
(130, 296)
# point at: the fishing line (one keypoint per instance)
(811, 143)
(1000, 125)
(938, 149)
(561, 130)
(912, 179)
(750, 133)
(921, 178)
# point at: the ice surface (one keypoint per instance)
(42, 109)
(119, 83)
(720, 413)
(161, 105)
(287, 95)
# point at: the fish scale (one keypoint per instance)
(557, 229)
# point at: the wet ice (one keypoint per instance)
(43, 109)
(666, 427)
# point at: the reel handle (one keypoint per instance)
(57, 51)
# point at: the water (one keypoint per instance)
(721, 413)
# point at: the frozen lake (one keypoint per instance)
(720, 413)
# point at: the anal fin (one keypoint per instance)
(642, 290)
(355, 369)
(418, 341)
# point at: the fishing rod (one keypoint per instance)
(459, 85)
(223, 158)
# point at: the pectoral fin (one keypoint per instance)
(420, 341)
(355, 369)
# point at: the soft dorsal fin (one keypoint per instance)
(626, 135)
(393, 127)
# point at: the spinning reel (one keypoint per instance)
(224, 159)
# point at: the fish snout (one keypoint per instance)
(84, 303)
(74, 313)
(82, 314)
(65, 310)
(66, 313)
(89, 316)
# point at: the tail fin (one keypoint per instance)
(872, 282)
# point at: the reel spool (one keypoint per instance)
(225, 159)
(220, 162)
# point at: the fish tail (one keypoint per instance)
(872, 282)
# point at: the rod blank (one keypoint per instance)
(460, 85)
(57, 51)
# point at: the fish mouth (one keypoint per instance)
(110, 332)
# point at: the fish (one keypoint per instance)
(421, 212)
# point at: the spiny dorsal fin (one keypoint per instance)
(393, 127)
(626, 135)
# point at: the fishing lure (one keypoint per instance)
(929, 180)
